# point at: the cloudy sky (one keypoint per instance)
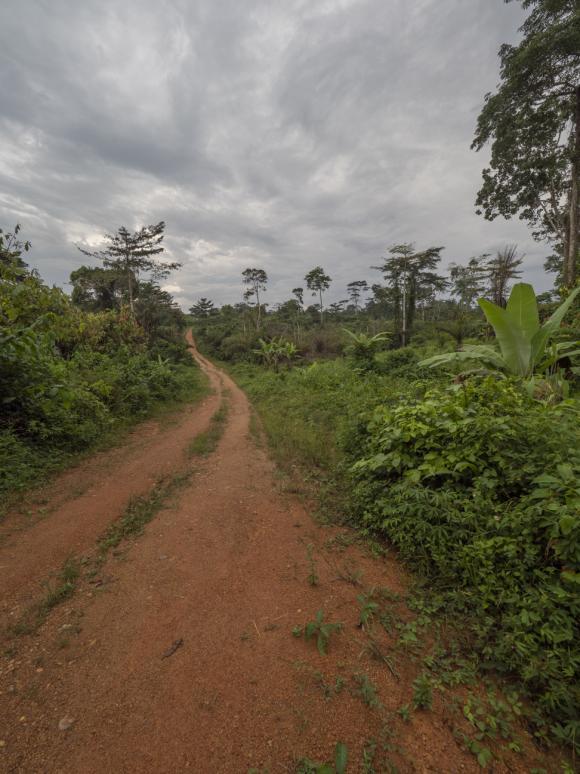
(273, 133)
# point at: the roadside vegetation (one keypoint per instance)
(74, 370)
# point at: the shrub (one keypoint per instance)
(478, 485)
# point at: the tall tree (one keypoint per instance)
(131, 253)
(502, 268)
(468, 282)
(533, 125)
(356, 291)
(317, 280)
(203, 308)
(410, 276)
(255, 280)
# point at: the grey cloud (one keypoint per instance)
(280, 133)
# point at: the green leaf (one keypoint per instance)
(484, 756)
(522, 307)
(551, 326)
(487, 355)
(340, 758)
(515, 348)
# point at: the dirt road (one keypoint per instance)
(176, 653)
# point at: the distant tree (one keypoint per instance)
(410, 276)
(337, 307)
(468, 282)
(131, 253)
(96, 289)
(355, 291)
(318, 281)
(501, 270)
(203, 308)
(298, 293)
(11, 248)
(158, 314)
(255, 281)
(533, 125)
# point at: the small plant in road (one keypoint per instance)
(319, 630)
(306, 766)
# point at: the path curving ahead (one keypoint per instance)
(179, 654)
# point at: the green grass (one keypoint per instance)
(205, 443)
(141, 511)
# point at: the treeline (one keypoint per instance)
(73, 369)
(414, 299)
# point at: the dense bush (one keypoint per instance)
(478, 486)
(67, 377)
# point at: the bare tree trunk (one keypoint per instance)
(321, 312)
(258, 309)
(130, 287)
(404, 331)
(572, 252)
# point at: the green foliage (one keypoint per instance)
(422, 692)
(306, 766)
(366, 690)
(69, 376)
(522, 340)
(319, 630)
(478, 486)
(364, 347)
(276, 351)
(532, 125)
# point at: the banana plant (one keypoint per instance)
(272, 353)
(522, 340)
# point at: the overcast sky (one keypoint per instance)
(273, 133)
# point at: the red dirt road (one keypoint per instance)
(179, 654)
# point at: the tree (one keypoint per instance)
(533, 125)
(11, 248)
(130, 254)
(355, 290)
(468, 282)
(203, 308)
(337, 307)
(318, 281)
(255, 281)
(501, 269)
(96, 289)
(298, 294)
(410, 277)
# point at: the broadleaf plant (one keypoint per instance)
(522, 340)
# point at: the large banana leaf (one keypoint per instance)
(550, 327)
(522, 307)
(483, 353)
(515, 348)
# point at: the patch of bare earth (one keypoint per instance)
(179, 654)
